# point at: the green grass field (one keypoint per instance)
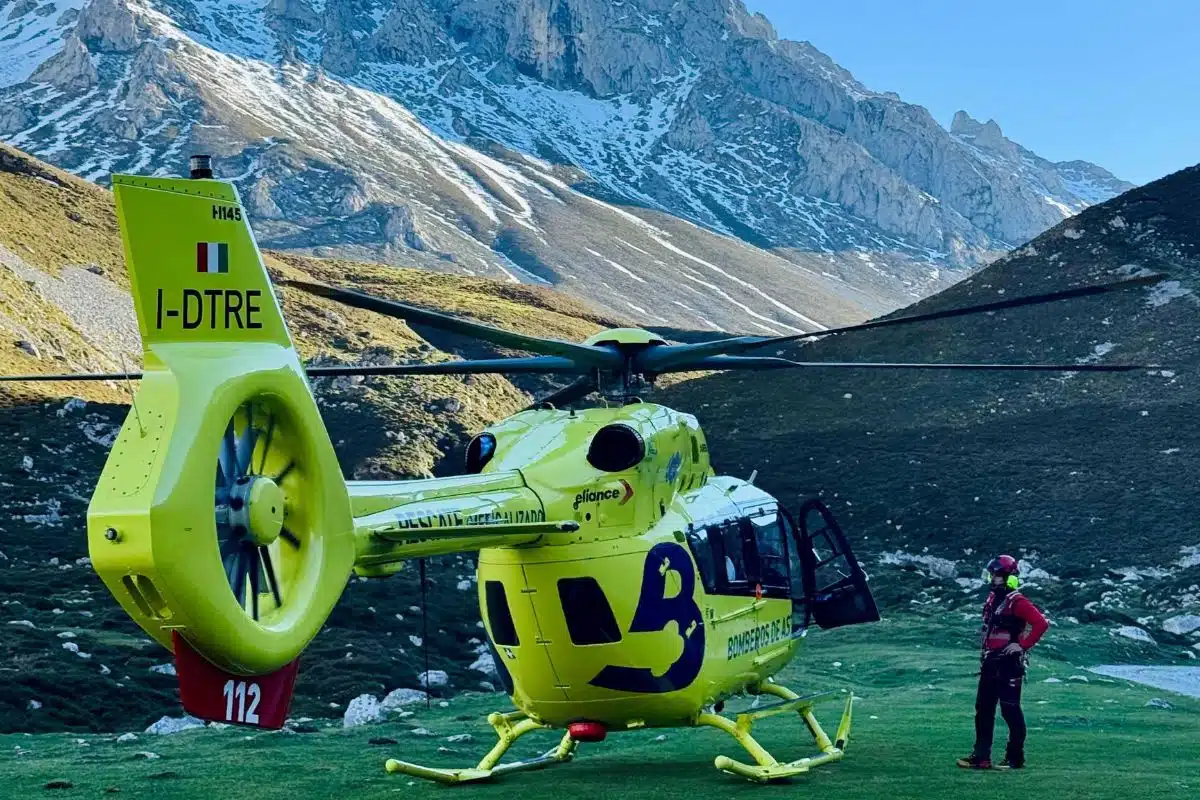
(1087, 740)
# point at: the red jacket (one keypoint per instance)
(1009, 618)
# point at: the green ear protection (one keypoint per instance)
(1012, 582)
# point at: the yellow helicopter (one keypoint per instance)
(622, 583)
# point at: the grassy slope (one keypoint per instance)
(1094, 740)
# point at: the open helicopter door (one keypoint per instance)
(835, 589)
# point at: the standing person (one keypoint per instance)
(1004, 645)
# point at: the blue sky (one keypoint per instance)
(1108, 81)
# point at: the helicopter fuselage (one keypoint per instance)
(670, 591)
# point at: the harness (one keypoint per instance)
(999, 618)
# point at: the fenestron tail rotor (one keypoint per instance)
(252, 508)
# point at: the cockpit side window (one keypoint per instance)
(702, 552)
(733, 552)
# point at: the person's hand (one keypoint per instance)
(1012, 649)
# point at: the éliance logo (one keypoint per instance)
(212, 257)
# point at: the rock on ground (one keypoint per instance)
(1182, 624)
(434, 678)
(362, 710)
(170, 725)
(1137, 634)
(399, 698)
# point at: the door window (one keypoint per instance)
(589, 617)
(772, 552)
(836, 584)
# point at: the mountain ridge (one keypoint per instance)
(532, 139)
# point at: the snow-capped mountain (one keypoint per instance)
(672, 161)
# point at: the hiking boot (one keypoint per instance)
(974, 762)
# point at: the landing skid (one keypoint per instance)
(509, 727)
(766, 767)
(515, 724)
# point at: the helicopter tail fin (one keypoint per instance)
(196, 271)
(221, 518)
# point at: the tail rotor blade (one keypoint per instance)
(262, 465)
(252, 557)
(283, 473)
(264, 554)
(289, 537)
(238, 583)
(245, 448)
(227, 457)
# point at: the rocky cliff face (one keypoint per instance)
(670, 159)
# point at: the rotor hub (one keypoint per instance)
(256, 508)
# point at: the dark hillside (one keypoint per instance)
(1092, 473)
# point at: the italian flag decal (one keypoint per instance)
(212, 257)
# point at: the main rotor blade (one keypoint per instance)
(535, 364)
(657, 360)
(498, 366)
(568, 394)
(591, 355)
(732, 362)
(83, 376)
(750, 362)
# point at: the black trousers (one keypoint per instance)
(1000, 679)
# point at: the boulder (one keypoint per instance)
(363, 710)
(1182, 624)
(434, 678)
(399, 698)
(1135, 633)
(167, 726)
